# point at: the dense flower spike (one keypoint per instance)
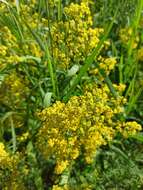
(84, 123)
(5, 159)
(74, 38)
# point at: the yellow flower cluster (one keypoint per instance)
(106, 64)
(76, 12)
(74, 38)
(16, 44)
(13, 90)
(5, 159)
(56, 187)
(11, 51)
(71, 130)
(23, 137)
(120, 88)
(28, 11)
(65, 149)
(129, 128)
(8, 47)
(9, 174)
(85, 187)
(125, 35)
(80, 126)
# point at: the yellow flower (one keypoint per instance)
(85, 122)
(129, 128)
(61, 166)
(4, 156)
(75, 35)
(56, 187)
(23, 137)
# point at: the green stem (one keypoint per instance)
(110, 86)
(59, 10)
(52, 74)
(13, 134)
(121, 69)
(52, 71)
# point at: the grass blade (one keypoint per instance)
(45, 48)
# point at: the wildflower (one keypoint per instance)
(61, 166)
(23, 137)
(15, 90)
(106, 64)
(129, 128)
(84, 123)
(74, 38)
(4, 156)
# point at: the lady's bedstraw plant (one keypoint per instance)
(61, 35)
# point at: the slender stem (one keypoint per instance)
(121, 69)
(110, 86)
(52, 71)
(49, 25)
(52, 74)
(13, 134)
(59, 10)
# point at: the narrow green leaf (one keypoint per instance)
(45, 48)
(138, 137)
(29, 57)
(47, 99)
(121, 153)
(121, 69)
